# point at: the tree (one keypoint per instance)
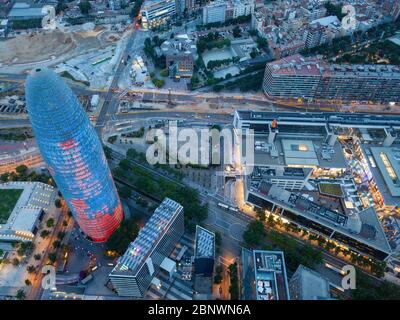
(31, 269)
(58, 203)
(22, 169)
(164, 73)
(37, 256)
(125, 164)
(125, 192)
(61, 235)
(1, 252)
(52, 257)
(50, 223)
(20, 294)
(85, 6)
(44, 234)
(236, 32)
(260, 214)
(15, 262)
(254, 233)
(123, 236)
(56, 244)
(61, 6)
(28, 282)
(218, 238)
(65, 223)
(234, 281)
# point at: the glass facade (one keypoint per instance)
(73, 153)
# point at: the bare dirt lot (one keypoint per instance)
(45, 46)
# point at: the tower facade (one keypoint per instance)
(73, 153)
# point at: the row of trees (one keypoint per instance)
(234, 281)
(150, 45)
(160, 188)
(123, 236)
(210, 41)
(21, 174)
(213, 64)
(229, 22)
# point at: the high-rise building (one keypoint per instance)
(143, 259)
(204, 257)
(73, 153)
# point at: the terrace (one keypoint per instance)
(8, 200)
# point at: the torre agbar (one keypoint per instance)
(73, 153)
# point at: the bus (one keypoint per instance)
(336, 269)
(222, 205)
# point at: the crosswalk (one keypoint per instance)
(175, 288)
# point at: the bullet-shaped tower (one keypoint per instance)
(73, 153)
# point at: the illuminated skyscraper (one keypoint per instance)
(73, 152)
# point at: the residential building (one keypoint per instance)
(300, 77)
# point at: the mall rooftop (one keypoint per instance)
(364, 226)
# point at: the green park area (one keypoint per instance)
(331, 189)
(8, 199)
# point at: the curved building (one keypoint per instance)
(73, 152)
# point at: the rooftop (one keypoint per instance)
(205, 243)
(264, 275)
(363, 226)
(386, 172)
(311, 66)
(24, 9)
(148, 237)
(34, 196)
(312, 285)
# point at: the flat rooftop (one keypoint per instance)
(312, 118)
(312, 152)
(148, 237)
(387, 172)
(269, 275)
(33, 197)
(313, 286)
(205, 243)
(363, 226)
(8, 200)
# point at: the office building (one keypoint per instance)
(264, 275)
(140, 264)
(307, 284)
(73, 153)
(21, 219)
(157, 13)
(204, 258)
(299, 77)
